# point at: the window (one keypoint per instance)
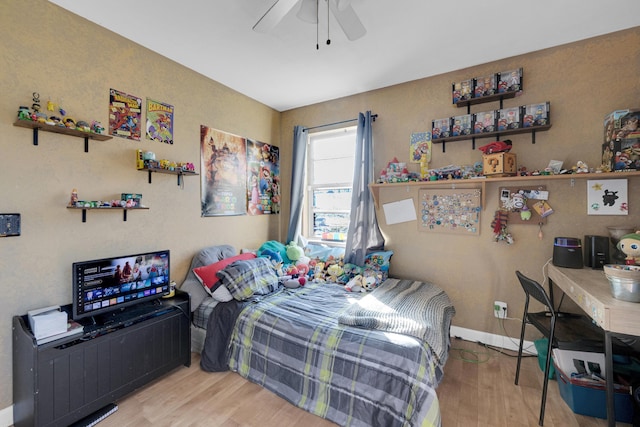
(330, 160)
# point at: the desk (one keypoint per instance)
(591, 291)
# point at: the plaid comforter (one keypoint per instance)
(292, 344)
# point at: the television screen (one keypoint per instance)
(108, 284)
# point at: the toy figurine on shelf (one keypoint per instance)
(96, 127)
(74, 197)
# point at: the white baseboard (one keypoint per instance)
(6, 416)
(493, 340)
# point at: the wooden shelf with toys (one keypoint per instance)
(481, 182)
(532, 130)
(37, 126)
(106, 208)
(179, 172)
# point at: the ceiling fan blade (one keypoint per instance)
(274, 15)
(343, 4)
(348, 20)
(308, 11)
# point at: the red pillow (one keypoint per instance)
(207, 274)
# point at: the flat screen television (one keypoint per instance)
(110, 284)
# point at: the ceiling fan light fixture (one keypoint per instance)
(308, 11)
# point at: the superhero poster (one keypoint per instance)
(159, 121)
(125, 115)
(263, 178)
(223, 158)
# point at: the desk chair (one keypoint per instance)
(533, 289)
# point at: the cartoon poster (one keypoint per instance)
(263, 178)
(159, 121)
(125, 115)
(607, 197)
(223, 160)
(420, 144)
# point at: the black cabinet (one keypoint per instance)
(60, 382)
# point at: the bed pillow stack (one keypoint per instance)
(207, 275)
(244, 279)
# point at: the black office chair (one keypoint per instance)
(533, 289)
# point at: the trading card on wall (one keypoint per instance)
(462, 91)
(420, 145)
(441, 128)
(159, 121)
(510, 81)
(484, 122)
(509, 118)
(485, 86)
(125, 115)
(461, 125)
(536, 114)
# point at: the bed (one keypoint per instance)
(357, 359)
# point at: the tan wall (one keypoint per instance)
(72, 61)
(583, 81)
(75, 62)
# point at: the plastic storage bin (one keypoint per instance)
(592, 400)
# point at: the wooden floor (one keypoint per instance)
(477, 390)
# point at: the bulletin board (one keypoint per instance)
(453, 211)
(535, 197)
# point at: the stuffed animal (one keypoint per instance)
(294, 252)
(630, 245)
(334, 272)
(293, 282)
(356, 284)
(275, 258)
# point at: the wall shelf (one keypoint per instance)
(112, 208)
(484, 99)
(37, 126)
(178, 172)
(482, 182)
(532, 130)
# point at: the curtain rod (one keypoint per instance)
(373, 116)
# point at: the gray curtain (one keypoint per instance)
(297, 183)
(364, 235)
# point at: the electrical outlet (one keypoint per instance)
(500, 309)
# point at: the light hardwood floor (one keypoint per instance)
(477, 390)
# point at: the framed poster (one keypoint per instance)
(223, 161)
(263, 178)
(159, 121)
(125, 115)
(450, 211)
(420, 144)
(607, 197)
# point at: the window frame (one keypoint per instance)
(309, 188)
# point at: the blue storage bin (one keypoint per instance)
(592, 400)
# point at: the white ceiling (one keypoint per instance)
(406, 39)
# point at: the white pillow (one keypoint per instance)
(222, 294)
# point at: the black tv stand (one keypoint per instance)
(63, 381)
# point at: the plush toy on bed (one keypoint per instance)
(276, 260)
(294, 252)
(356, 284)
(334, 271)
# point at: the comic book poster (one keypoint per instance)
(125, 115)
(159, 121)
(263, 178)
(420, 144)
(223, 158)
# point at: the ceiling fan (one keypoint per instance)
(341, 10)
